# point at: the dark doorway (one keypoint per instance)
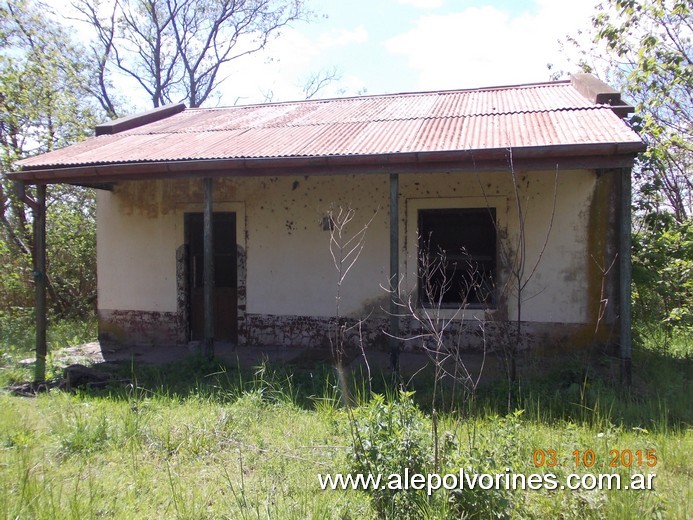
(225, 276)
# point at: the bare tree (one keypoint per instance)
(175, 49)
(521, 269)
(317, 81)
(101, 50)
(345, 249)
(312, 84)
(435, 320)
(434, 323)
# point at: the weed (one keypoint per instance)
(390, 436)
(495, 449)
(82, 433)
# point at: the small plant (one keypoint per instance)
(345, 248)
(439, 325)
(490, 453)
(389, 436)
(83, 434)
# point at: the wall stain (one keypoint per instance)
(154, 198)
(138, 198)
(602, 286)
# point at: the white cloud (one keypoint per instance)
(485, 46)
(289, 61)
(422, 4)
(271, 73)
(342, 37)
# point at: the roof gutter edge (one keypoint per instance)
(458, 160)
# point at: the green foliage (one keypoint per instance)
(16, 332)
(387, 437)
(15, 277)
(649, 55)
(44, 80)
(71, 262)
(18, 341)
(645, 49)
(663, 273)
(71, 245)
(250, 444)
(45, 102)
(81, 433)
(492, 450)
(392, 436)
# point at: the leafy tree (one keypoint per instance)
(663, 273)
(176, 49)
(651, 57)
(645, 48)
(652, 48)
(44, 103)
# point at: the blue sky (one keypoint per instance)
(389, 46)
(386, 46)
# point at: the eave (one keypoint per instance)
(561, 157)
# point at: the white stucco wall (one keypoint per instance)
(289, 267)
(136, 261)
(556, 212)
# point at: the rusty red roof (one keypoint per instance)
(536, 116)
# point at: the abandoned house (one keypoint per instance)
(485, 206)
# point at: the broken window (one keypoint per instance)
(457, 257)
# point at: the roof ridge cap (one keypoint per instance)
(545, 84)
(382, 119)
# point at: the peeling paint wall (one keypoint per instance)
(288, 281)
(290, 269)
(556, 213)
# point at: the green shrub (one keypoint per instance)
(17, 333)
(491, 451)
(663, 272)
(389, 436)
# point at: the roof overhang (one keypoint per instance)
(560, 157)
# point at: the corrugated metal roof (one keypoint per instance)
(523, 116)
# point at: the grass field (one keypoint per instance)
(201, 440)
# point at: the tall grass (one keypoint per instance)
(18, 342)
(201, 439)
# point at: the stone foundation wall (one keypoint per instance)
(312, 331)
(119, 328)
(469, 335)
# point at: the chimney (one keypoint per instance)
(599, 93)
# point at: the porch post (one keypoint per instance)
(40, 281)
(208, 270)
(624, 246)
(394, 272)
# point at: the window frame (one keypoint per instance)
(410, 249)
(426, 218)
(455, 256)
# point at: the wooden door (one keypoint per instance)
(225, 276)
